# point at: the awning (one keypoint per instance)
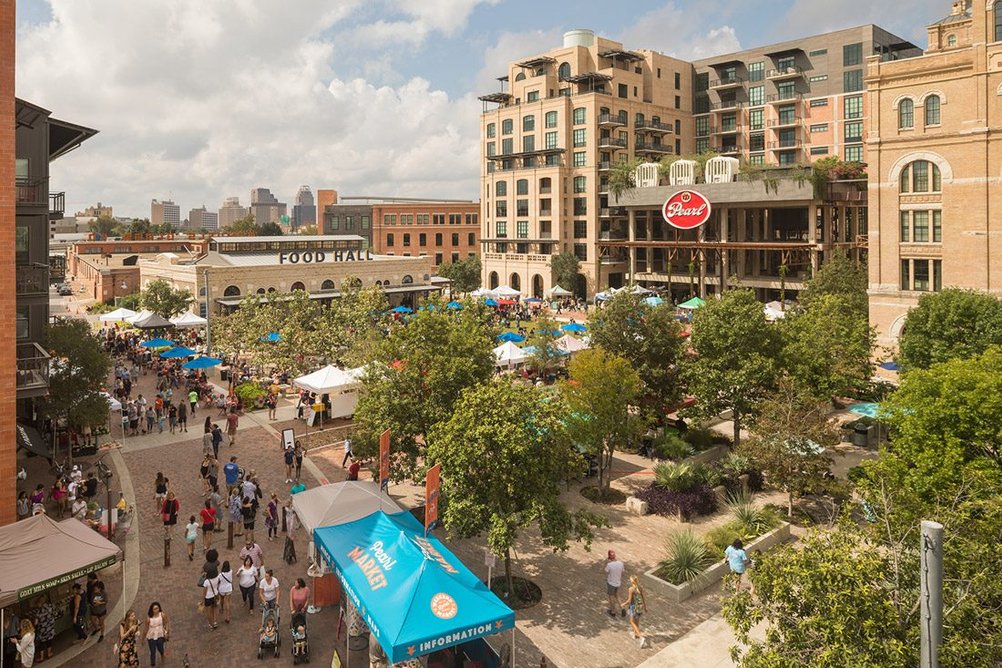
(330, 379)
(340, 503)
(152, 321)
(189, 320)
(39, 553)
(414, 594)
(31, 440)
(693, 303)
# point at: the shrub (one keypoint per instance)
(750, 521)
(671, 446)
(687, 504)
(700, 438)
(718, 538)
(248, 393)
(686, 557)
(675, 477)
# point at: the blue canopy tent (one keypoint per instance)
(177, 351)
(889, 366)
(401, 309)
(201, 363)
(271, 337)
(490, 302)
(574, 327)
(157, 343)
(654, 301)
(414, 594)
(454, 306)
(511, 337)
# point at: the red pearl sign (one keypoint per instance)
(686, 210)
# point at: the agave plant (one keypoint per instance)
(675, 476)
(749, 520)
(735, 464)
(686, 557)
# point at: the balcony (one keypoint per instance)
(784, 145)
(610, 121)
(725, 104)
(604, 166)
(57, 204)
(611, 142)
(788, 122)
(777, 98)
(32, 370)
(28, 192)
(726, 130)
(32, 280)
(726, 82)
(653, 126)
(784, 73)
(651, 147)
(730, 149)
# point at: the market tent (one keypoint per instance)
(177, 352)
(570, 344)
(510, 337)
(575, 327)
(481, 292)
(271, 337)
(152, 321)
(533, 350)
(330, 379)
(508, 354)
(506, 291)
(415, 596)
(490, 302)
(557, 291)
(454, 306)
(189, 320)
(641, 290)
(139, 316)
(340, 503)
(693, 303)
(401, 309)
(39, 553)
(117, 315)
(202, 363)
(157, 343)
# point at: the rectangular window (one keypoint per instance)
(471, 239)
(580, 206)
(507, 146)
(756, 71)
(756, 95)
(937, 275)
(529, 143)
(755, 121)
(581, 251)
(551, 139)
(906, 281)
(501, 227)
(788, 158)
(580, 229)
(579, 158)
(579, 138)
(335, 222)
(522, 187)
(528, 123)
(349, 223)
(501, 209)
(678, 102)
(787, 138)
(920, 226)
(422, 239)
(492, 129)
(786, 63)
(937, 226)
(438, 238)
(854, 154)
(756, 159)
(818, 78)
(702, 145)
(422, 219)
(853, 107)
(920, 275)
(455, 238)
(389, 240)
(455, 219)
(819, 150)
(703, 125)
(551, 119)
(702, 81)
(678, 80)
(522, 229)
(852, 54)
(756, 142)
(820, 102)
(521, 207)
(818, 52)
(624, 91)
(820, 127)
(553, 160)
(500, 190)
(564, 92)
(390, 219)
(786, 90)
(920, 176)
(532, 96)
(579, 184)
(438, 259)
(852, 81)
(579, 116)
(365, 222)
(787, 115)
(853, 132)
(506, 126)
(439, 218)
(905, 226)
(471, 219)
(407, 240)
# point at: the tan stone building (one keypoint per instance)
(234, 267)
(935, 166)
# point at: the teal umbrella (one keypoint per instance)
(202, 363)
(157, 343)
(178, 351)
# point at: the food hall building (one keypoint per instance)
(234, 267)
(768, 233)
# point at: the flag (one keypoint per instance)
(384, 460)
(431, 483)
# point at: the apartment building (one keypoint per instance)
(793, 102)
(448, 231)
(549, 143)
(230, 212)
(165, 213)
(203, 219)
(935, 155)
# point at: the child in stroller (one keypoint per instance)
(270, 637)
(300, 640)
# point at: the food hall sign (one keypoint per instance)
(686, 210)
(307, 257)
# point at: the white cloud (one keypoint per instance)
(509, 47)
(205, 100)
(812, 17)
(684, 32)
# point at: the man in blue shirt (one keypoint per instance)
(737, 559)
(231, 471)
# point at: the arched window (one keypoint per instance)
(951, 40)
(201, 291)
(492, 280)
(545, 185)
(537, 285)
(351, 282)
(500, 188)
(921, 176)
(260, 291)
(231, 291)
(522, 187)
(407, 280)
(906, 114)
(932, 106)
(563, 71)
(298, 285)
(520, 76)
(327, 285)
(270, 290)
(515, 282)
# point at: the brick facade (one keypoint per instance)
(444, 231)
(8, 300)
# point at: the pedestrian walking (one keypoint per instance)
(299, 597)
(128, 629)
(182, 417)
(151, 415)
(217, 440)
(78, 611)
(290, 460)
(208, 515)
(248, 511)
(193, 401)
(247, 577)
(98, 609)
(353, 469)
(210, 588)
(635, 606)
(232, 420)
(737, 560)
(252, 551)
(613, 580)
(269, 590)
(190, 536)
(218, 504)
(299, 452)
(272, 402)
(157, 631)
(207, 448)
(235, 516)
(203, 471)
(231, 472)
(225, 590)
(172, 417)
(168, 513)
(159, 490)
(271, 517)
(347, 451)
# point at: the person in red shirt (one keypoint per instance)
(208, 514)
(231, 425)
(353, 470)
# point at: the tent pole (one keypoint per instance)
(513, 646)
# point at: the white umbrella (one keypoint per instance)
(569, 344)
(189, 320)
(506, 291)
(117, 315)
(481, 292)
(508, 354)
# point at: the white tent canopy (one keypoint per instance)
(117, 315)
(508, 354)
(557, 291)
(506, 291)
(189, 320)
(481, 292)
(640, 290)
(569, 344)
(330, 379)
(340, 503)
(142, 315)
(774, 311)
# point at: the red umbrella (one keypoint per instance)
(506, 302)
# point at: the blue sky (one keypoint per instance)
(201, 100)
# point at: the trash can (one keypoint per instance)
(859, 435)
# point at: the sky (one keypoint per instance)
(196, 101)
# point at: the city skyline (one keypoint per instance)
(361, 98)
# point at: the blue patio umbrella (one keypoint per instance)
(865, 408)
(654, 301)
(179, 351)
(157, 343)
(548, 332)
(889, 366)
(533, 300)
(575, 327)
(427, 307)
(510, 337)
(202, 363)
(454, 306)
(402, 309)
(272, 337)
(490, 302)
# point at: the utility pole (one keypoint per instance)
(931, 596)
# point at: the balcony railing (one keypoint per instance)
(32, 367)
(604, 142)
(652, 147)
(653, 126)
(29, 192)
(546, 212)
(784, 73)
(725, 104)
(32, 280)
(605, 165)
(545, 190)
(609, 119)
(726, 82)
(784, 122)
(57, 204)
(726, 150)
(784, 144)
(783, 97)
(726, 129)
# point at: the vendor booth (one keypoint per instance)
(340, 385)
(412, 593)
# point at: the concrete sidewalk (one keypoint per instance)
(708, 645)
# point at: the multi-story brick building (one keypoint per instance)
(448, 231)
(230, 212)
(934, 149)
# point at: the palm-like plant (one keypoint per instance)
(750, 520)
(686, 557)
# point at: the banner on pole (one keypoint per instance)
(384, 460)
(431, 497)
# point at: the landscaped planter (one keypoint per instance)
(718, 570)
(709, 456)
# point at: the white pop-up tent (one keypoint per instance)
(340, 503)
(557, 291)
(506, 292)
(341, 385)
(508, 354)
(189, 321)
(570, 344)
(142, 315)
(118, 315)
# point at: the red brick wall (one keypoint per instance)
(8, 300)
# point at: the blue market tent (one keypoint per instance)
(201, 363)
(157, 343)
(402, 309)
(573, 327)
(454, 306)
(511, 337)
(490, 302)
(414, 594)
(178, 351)
(889, 366)
(272, 337)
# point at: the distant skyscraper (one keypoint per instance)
(305, 211)
(201, 219)
(165, 212)
(231, 211)
(266, 207)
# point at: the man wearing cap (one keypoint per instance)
(613, 579)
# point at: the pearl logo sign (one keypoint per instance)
(686, 210)
(443, 606)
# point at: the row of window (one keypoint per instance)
(522, 207)
(436, 218)
(522, 186)
(578, 116)
(349, 222)
(471, 239)
(920, 176)
(234, 291)
(906, 112)
(915, 226)
(921, 275)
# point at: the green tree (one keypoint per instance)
(543, 337)
(951, 324)
(599, 392)
(350, 328)
(842, 277)
(828, 346)
(622, 177)
(505, 457)
(465, 274)
(735, 365)
(163, 299)
(244, 227)
(139, 227)
(77, 374)
(106, 226)
(421, 369)
(270, 229)
(650, 338)
(565, 268)
(791, 435)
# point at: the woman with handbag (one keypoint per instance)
(127, 630)
(168, 512)
(157, 631)
(210, 599)
(247, 576)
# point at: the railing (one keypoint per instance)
(783, 97)
(31, 279)
(784, 144)
(652, 147)
(726, 129)
(546, 212)
(612, 141)
(545, 190)
(779, 122)
(726, 81)
(604, 165)
(726, 150)
(32, 367)
(57, 203)
(29, 191)
(725, 104)
(609, 119)
(656, 126)
(780, 72)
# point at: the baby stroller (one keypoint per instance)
(300, 643)
(271, 638)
